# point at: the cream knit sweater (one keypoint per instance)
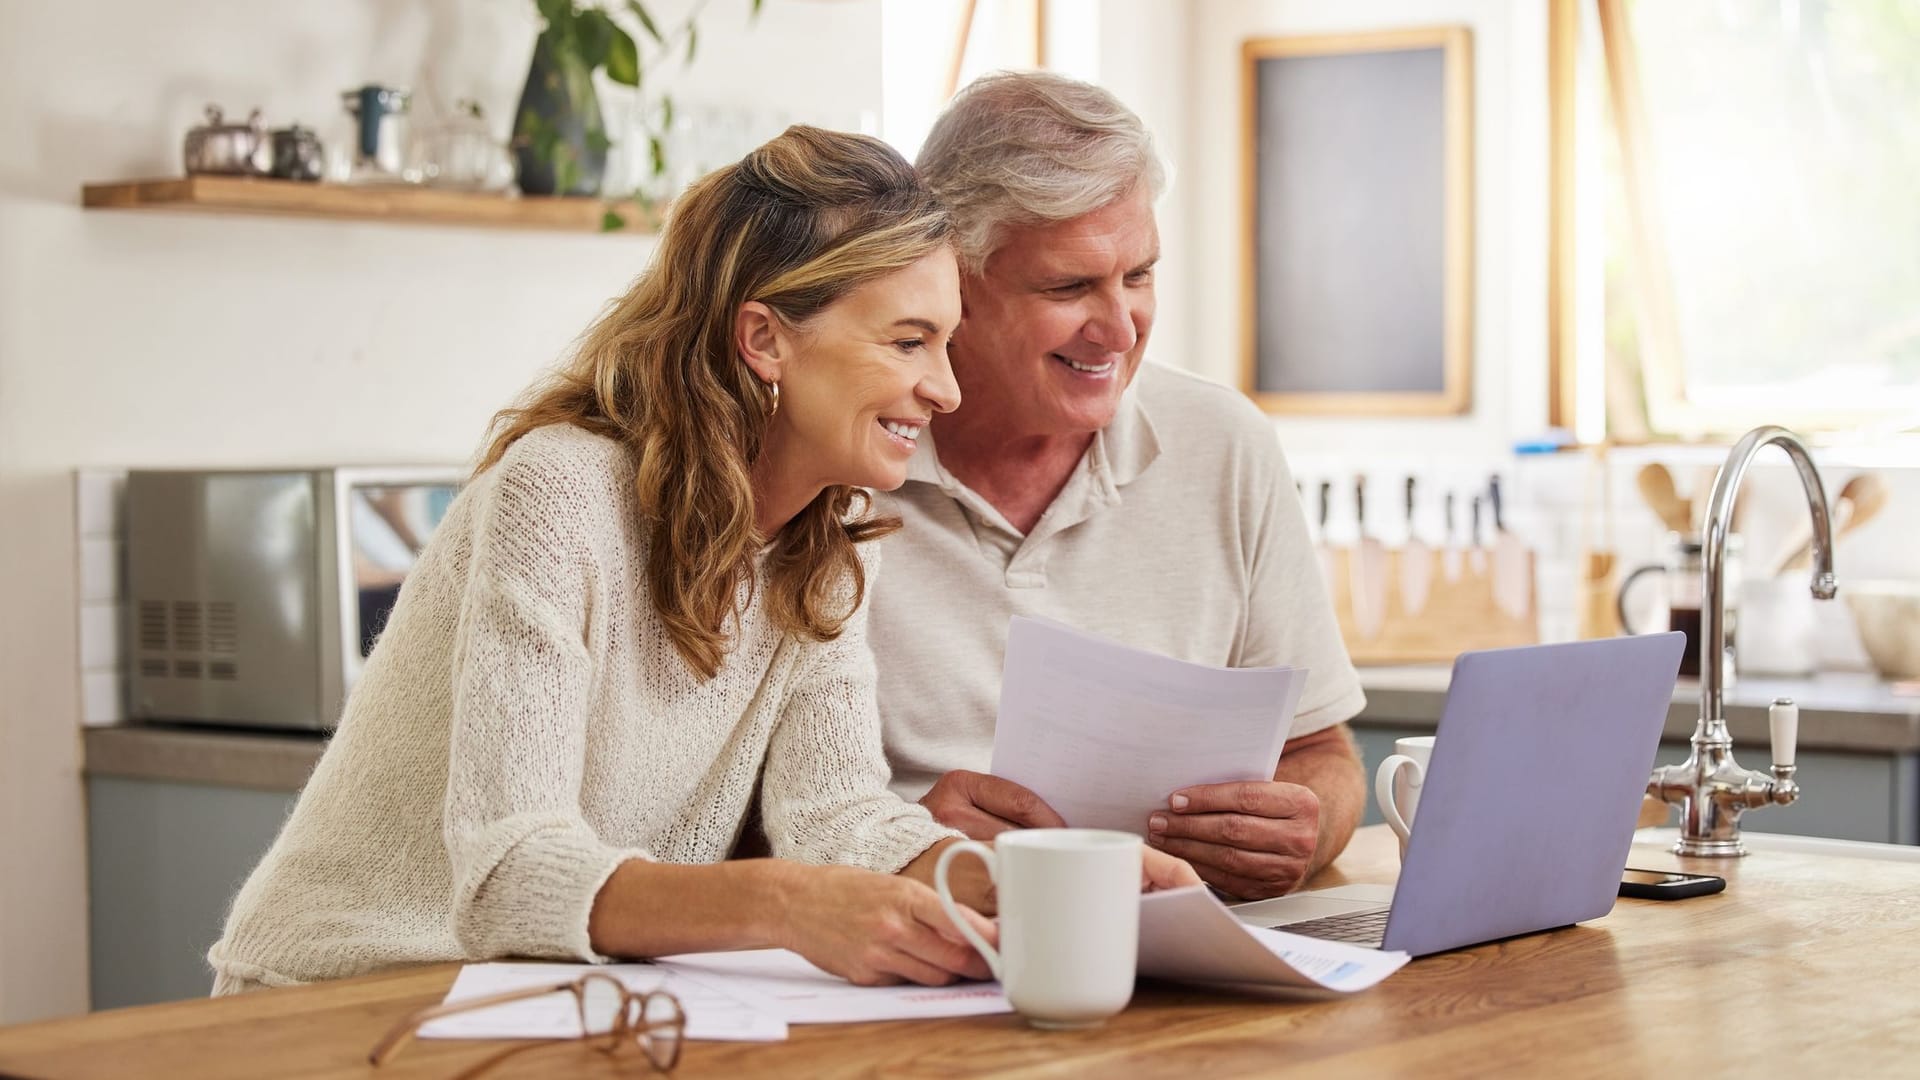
(525, 725)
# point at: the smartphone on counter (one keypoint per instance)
(1667, 884)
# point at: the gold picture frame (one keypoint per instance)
(1372, 356)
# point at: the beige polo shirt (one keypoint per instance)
(1179, 531)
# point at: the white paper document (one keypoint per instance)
(784, 984)
(1189, 935)
(711, 1014)
(1105, 732)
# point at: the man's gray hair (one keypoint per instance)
(1029, 148)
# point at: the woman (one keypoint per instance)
(649, 599)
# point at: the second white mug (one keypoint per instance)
(1397, 784)
(1069, 920)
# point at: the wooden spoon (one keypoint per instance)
(1861, 499)
(1656, 487)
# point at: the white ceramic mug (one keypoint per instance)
(1398, 781)
(1069, 920)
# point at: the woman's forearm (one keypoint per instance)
(867, 927)
(658, 909)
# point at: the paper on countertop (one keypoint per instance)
(1105, 732)
(1188, 935)
(711, 1014)
(782, 983)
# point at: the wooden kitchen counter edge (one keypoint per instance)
(1801, 961)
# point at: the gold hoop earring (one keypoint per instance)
(775, 387)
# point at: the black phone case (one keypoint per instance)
(1702, 885)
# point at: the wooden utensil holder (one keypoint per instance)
(1459, 615)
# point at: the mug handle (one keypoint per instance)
(1383, 791)
(953, 910)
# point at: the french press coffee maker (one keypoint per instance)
(1682, 575)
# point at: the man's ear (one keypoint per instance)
(762, 340)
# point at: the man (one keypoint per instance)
(1076, 483)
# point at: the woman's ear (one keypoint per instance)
(762, 340)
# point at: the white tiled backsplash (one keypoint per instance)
(102, 589)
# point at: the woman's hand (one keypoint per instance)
(1159, 870)
(876, 929)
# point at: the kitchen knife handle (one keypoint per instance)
(1409, 500)
(1475, 538)
(1493, 496)
(1326, 501)
(1360, 503)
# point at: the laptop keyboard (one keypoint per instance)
(1366, 928)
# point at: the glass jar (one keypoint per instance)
(462, 154)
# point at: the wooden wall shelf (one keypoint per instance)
(416, 205)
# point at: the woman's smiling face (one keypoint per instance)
(864, 376)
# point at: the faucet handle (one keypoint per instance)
(1783, 723)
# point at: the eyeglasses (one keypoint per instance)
(611, 1016)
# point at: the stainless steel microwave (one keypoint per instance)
(254, 596)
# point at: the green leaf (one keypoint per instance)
(623, 57)
(611, 221)
(597, 140)
(657, 154)
(554, 11)
(693, 39)
(666, 111)
(646, 21)
(596, 37)
(756, 9)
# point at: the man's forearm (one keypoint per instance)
(1327, 763)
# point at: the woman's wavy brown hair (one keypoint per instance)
(796, 225)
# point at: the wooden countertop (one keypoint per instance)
(1805, 960)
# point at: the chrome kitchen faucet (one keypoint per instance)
(1709, 788)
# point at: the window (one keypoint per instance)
(1737, 223)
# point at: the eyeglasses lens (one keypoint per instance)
(660, 1029)
(601, 999)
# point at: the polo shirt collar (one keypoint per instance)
(1119, 454)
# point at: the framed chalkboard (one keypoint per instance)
(1358, 222)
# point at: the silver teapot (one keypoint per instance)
(224, 149)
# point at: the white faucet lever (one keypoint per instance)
(1783, 723)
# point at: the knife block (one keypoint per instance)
(1459, 615)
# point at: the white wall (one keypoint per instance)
(1145, 57)
(147, 339)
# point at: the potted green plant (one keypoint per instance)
(560, 138)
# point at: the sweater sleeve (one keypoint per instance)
(825, 796)
(526, 866)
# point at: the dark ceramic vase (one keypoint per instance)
(559, 138)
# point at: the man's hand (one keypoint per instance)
(1253, 839)
(984, 806)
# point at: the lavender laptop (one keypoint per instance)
(1529, 803)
